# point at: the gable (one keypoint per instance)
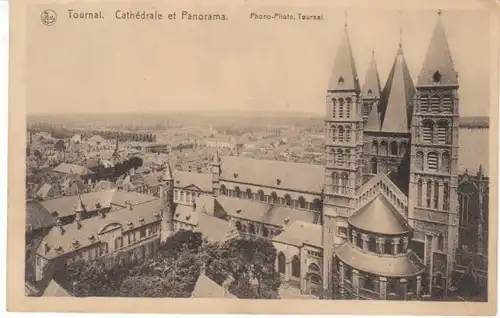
(381, 184)
(109, 227)
(192, 187)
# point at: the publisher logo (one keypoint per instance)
(49, 17)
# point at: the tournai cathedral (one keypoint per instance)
(388, 215)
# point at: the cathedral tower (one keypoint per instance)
(370, 93)
(433, 203)
(167, 220)
(343, 152)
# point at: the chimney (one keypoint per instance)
(287, 220)
(129, 205)
(61, 228)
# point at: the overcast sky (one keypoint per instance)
(240, 64)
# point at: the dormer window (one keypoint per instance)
(341, 80)
(76, 244)
(436, 77)
(238, 211)
(370, 92)
(235, 175)
(92, 238)
(278, 181)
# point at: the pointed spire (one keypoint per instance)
(79, 205)
(373, 122)
(216, 160)
(344, 75)
(397, 97)
(371, 87)
(167, 175)
(438, 69)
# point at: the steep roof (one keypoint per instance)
(371, 87)
(379, 216)
(265, 213)
(184, 179)
(55, 290)
(388, 266)
(344, 68)
(207, 288)
(438, 59)
(299, 233)
(299, 177)
(37, 216)
(373, 122)
(397, 97)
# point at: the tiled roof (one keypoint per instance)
(37, 216)
(186, 214)
(397, 97)
(65, 206)
(264, 212)
(372, 81)
(386, 266)
(344, 67)
(149, 212)
(207, 288)
(69, 168)
(438, 58)
(299, 177)
(379, 216)
(299, 233)
(55, 290)
(212, 228)
(184, 179)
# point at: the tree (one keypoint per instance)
(59, 145)
(142, 286)
(251, 265)
(181, 241)
(182, 275)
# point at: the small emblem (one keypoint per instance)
(49, 17)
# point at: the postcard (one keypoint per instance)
(253, 157)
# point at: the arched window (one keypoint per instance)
(383, 147)
(394, 148)
(387, 246)
(372, 245)
(238, 226)
(424, 103)
(261, 195)
(334, 107)
(402, 148)
(288, 200)
(429, 193)
(341, 108)
(420, 193)
(249, 193)
(348, 134)
(316, 205)
(435, 103)
(446, 196)
(341, 134)
(251, 228)
(359, 241)
(375, 147)
(401, 246)
(420, 161)
(432, 161)
(274, 198)
(237, 192)
(447, 103)
(118, 242)
(348, 108)
(334, 133)
(302, 202)
(265, 231)
(344, 181)
(222, 190)
(440, 242)
(296, 267)
(340, 158)
(366, 109)
(374, 165)
(436, 194)
(281, 263)
(428, 131)
(443, 133)
(182, 193)
(445, 162)
(314, 268)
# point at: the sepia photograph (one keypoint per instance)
(256, 152)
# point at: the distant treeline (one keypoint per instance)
(475, 122)
(64, 133)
